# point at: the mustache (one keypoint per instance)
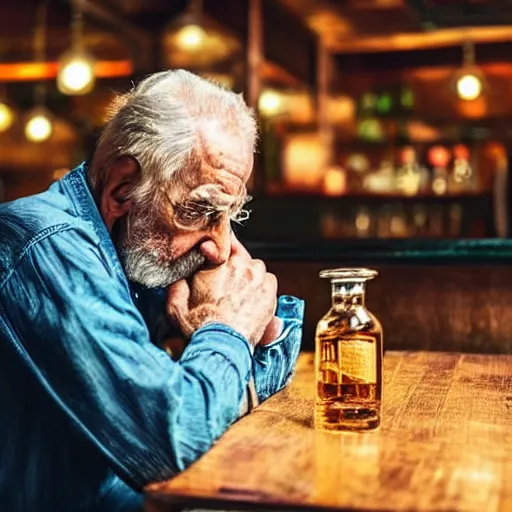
(146, 268)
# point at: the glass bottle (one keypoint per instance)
(348, 356)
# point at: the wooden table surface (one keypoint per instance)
(445, 444)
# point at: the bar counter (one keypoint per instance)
(445, 444)
(449, 295)
(386, 252)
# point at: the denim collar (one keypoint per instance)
(77, 187)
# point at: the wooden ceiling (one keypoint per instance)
(114, 28)
(361, 26)
(365, 35)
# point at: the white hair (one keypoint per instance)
(158, 123)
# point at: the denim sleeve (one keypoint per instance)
(274, 363)
(152, 305)
(70, 318)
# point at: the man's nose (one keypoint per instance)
(217, 248)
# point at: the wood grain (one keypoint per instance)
(445, 444)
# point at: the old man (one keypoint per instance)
(95, 273)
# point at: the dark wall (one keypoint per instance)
(449, 308)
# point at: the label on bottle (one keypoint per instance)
(358, 359)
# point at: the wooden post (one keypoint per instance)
(254, 52)
(254, 60)
(324, 77)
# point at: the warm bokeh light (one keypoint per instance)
(335, 182)
(469, 87)
(76, 74)
(39, 127)
(270, 103)
(305, 157)
(409, 181)
(438, 156)
(439, 186)
(362, 222)
(341, 109)
(6, 117)
(191, 37)
(358, 162)
(461, 151)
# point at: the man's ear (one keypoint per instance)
(121, 178)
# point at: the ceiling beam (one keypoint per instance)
(288, 43)
(33, 71)
(420, 41)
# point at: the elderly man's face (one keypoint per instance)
(159, 248)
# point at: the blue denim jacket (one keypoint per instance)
(91, 409)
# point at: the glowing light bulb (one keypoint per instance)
(191, 37)
(469, 87)
(39, 127)
(76, 74)
(270, 103)
(6, 117)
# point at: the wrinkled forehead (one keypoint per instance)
(225, 150)
(225, 163)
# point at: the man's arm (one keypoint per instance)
(75, 327)
(274, 363)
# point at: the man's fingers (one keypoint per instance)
(178, 295)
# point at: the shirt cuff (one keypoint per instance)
(224, 340)
(291, 311)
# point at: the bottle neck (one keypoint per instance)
(347, 293)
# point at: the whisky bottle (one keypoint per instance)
(348, 356)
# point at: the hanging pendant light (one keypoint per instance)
(6, 112)
(76, 67)
(39, 125)
(469, 79)
(192, 36)
(193, 41)
(6, 117)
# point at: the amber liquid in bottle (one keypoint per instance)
(348, 360)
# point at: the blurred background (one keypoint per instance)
(379, 118)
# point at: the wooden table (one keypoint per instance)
(445, 444)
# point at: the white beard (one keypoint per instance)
(146, 268)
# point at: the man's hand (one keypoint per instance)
(275, 326)
(240, 294)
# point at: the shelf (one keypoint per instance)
(292, 195)
(362, 145)
(386, 251)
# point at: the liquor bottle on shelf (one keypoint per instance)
(408, 176)
(384, 105)
(366, 105)
(406, 99)
(438, 157)
(462, 171)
